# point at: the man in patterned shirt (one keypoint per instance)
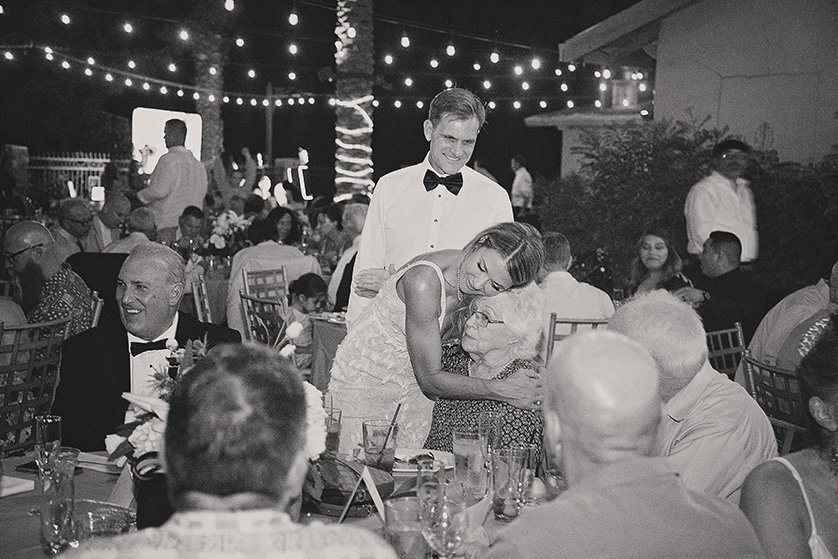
(49, 288)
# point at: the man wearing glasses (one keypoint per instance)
(723, 201)
(49, 288)
(74, 222)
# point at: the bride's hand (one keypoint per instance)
(368, 282)
(522, 389)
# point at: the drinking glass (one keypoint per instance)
(332, 431)
(507, 471)
(57, 528)
(47, 439)
(403, 528)
(430, 481)
(490, 424)
(444, 525)
(380, 443)
(531, 459)
(469, 463)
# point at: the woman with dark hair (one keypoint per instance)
(287, 225)
(333, 239)
(791, 501)
(657, 265)
(393, 353)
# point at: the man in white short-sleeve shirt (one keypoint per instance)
(438, 204)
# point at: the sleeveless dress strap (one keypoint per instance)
(797, 477)
(438, 271)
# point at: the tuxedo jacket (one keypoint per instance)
(96, 370)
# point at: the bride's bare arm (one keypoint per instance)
(422, 291)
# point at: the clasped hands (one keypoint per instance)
(369, 282)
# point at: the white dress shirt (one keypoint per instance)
(178, 180)
(405, 220)
(569, 298)
(716, 203)
(144, 365)
(521, 192)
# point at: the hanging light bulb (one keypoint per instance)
(87, 71)
(434, 63)
(492, 104)
(571, 68)
(146, 86)
(419, 104)
(132, 64)
(293, 18)
(570, 104)
(517, 104)
(164, 90)
(542, 104)
(128, 82)
(184, 35)
(405, 42)
(487, 84)
(90, 60)
(172, 67)
(449, 84)
(408, 82)
(65, 65)
(518, 70)
(108, 78)
(536, 63)
(494, 57)
(351, 33)
(605, 73)
(239, 42)
(180, 93)
(598, 104)
(397, 104)
(525, 86)
(213, 71)
(388, 59)
(128, 28)
(292, 76)
(229, 5)
(476, 66)
(251, 73)
(564, 87)
(558, 71)
(292, 48)
(450, 50)
(65, 19)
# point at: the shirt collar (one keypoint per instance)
(169, 333)
(429, 167)
(685, 400)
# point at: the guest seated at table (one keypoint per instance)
(333, 240)
(107, 225)
(236, 456)
(601, 413)
(190, 225)
(499, 338)
(97, 366)
(713, 432)
(49, 288)
(658, 265)
(393, 353)
(141, 229)
(800, 339)
(306, 295)
(791, 500)
(729, 295)
(271, 238)
(354, 216)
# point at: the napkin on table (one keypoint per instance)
(14, 485)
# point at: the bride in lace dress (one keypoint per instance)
(393, 354)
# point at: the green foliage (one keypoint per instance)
(638, 174)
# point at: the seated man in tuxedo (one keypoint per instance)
(97, 366)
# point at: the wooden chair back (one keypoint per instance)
(574, 325)
(29, 358)
(777, 391)
(201, 299)
(725, 349)
(262, 319)
(267, 284)
(96, 306)
(788, 435)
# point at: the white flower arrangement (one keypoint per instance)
(225, 227)
(315, 422)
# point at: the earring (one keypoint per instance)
(833, 462)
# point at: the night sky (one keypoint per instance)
(47, 107)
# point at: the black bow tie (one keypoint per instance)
(141, 347)
(452, 182)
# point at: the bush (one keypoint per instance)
(638, 174)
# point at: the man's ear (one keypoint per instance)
(176, 295)
(823, 413)
(428, 128)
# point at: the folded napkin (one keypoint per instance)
(149, 404)
(98, 463)
(476, 517)
(14, 485)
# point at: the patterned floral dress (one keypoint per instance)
(519, 426)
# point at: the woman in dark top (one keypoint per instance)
(499, 338)
(657, 265)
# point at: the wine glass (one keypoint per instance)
(444, 524)
(47, 440)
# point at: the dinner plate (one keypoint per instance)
(401, 465)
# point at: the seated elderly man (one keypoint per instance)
(236, 455)
(712, 430)
(48, 286)
(74, 222)
(107, 224)
(601, 415)
(101, 364)
(190, 224)
(567, 297)
(141, 229)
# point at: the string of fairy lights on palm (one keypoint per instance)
(513, 87)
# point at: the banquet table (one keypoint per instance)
(326, 337)
(19, 532)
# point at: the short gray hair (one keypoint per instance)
(522, 311)
(672, 332)
(164, 258)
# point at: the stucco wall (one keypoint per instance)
(747, 62)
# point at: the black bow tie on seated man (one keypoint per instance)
(141, 347)
(452, 182)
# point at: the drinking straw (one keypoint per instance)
(387, 436)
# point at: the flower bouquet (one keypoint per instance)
(229, 234)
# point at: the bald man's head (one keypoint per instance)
(602, 396)
(26, 241)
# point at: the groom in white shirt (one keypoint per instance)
(437, 204)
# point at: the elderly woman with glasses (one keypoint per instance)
(499, 338)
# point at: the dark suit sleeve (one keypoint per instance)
(92, 378)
